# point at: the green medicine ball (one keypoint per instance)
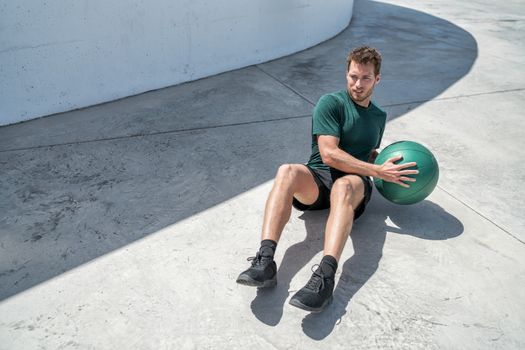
(426, 180)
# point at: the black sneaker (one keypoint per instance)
(262, 273)
(316, 294)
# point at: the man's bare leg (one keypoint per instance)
(347, 193)
(291, 180)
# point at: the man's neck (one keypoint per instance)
(364, 103)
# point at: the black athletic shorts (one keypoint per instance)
(324, 180)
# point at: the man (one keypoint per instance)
(346, 131)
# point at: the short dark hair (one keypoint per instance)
(365, 55)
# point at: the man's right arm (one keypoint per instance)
(336, 158)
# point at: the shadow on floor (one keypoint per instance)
(425, 220)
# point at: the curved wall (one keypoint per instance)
(57, 56)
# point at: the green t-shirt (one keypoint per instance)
(359, 129)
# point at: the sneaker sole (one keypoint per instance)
(248, 281)
(300, 305)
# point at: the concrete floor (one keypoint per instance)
(124, 225)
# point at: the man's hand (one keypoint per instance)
(391, 172)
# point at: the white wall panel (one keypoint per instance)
(57, 56)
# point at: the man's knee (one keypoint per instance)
(286, 174)
(343, 187)
(346, 190)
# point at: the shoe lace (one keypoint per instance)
(257, 259)
(317, 279)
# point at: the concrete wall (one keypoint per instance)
(57, 56)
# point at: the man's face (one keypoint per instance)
(361, 81)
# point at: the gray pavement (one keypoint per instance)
(124, 225)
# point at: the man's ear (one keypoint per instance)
(378, 78)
